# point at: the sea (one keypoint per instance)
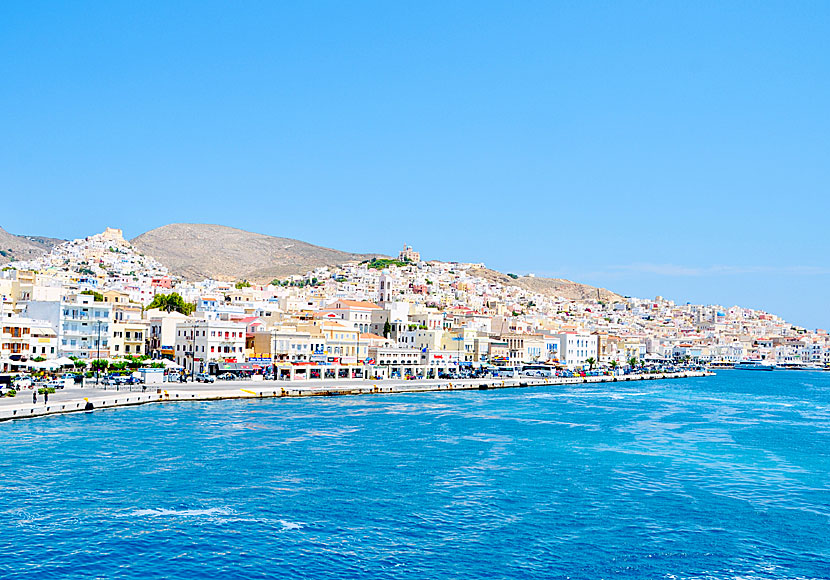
(724, 477)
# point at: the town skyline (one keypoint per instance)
(99, 297)
(612, 275)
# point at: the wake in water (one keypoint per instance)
(162, 512)
(715, 479)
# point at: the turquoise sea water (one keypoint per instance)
(725, 477)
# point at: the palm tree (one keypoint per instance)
(613, 365)
(591, 361)
(633, 362)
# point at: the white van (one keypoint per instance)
(537, 371)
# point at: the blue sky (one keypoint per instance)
(670, 148)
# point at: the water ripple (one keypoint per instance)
(725, 478)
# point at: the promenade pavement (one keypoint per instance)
(74, 399)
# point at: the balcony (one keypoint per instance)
(75, 317)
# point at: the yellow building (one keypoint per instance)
(116, 297)
(129, 338)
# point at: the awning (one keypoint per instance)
(44, 365)
(223, 366)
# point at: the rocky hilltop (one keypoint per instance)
(14, 247)
(550, 286)
(197, 251)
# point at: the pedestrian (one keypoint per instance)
(45, 397)
(34, 397)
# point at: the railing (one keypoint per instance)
(140, 388)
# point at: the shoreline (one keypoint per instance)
(108, 399)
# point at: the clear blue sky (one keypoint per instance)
(680, 149)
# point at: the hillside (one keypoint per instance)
(197, 251)
(550, 286)
(13, 247)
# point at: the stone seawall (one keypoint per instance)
(87, 399)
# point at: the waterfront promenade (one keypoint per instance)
(78, 399)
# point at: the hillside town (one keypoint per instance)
(97, 298)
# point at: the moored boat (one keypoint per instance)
(753, 365)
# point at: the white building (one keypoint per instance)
(23, 339)
(576, 348)
(83, 326)
(353, 314)
(199, 342)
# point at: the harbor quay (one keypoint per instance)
(88, 399)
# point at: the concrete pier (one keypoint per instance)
(74, 400)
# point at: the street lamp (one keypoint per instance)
(193, 333)
(458, 340)
(98, 358)
(274, 353)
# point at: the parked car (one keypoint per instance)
(55, 384)
(23, 383)
(227, 377)
(205, 378)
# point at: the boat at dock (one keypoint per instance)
(753, 365)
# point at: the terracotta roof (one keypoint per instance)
(323, 314)
(372, 336)
(358, 304)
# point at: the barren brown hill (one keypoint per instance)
(14, 247)
(550, 286)
(197, 251)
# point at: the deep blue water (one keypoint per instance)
(725, 477)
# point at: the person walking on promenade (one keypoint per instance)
(45, 397)
(34, 397)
